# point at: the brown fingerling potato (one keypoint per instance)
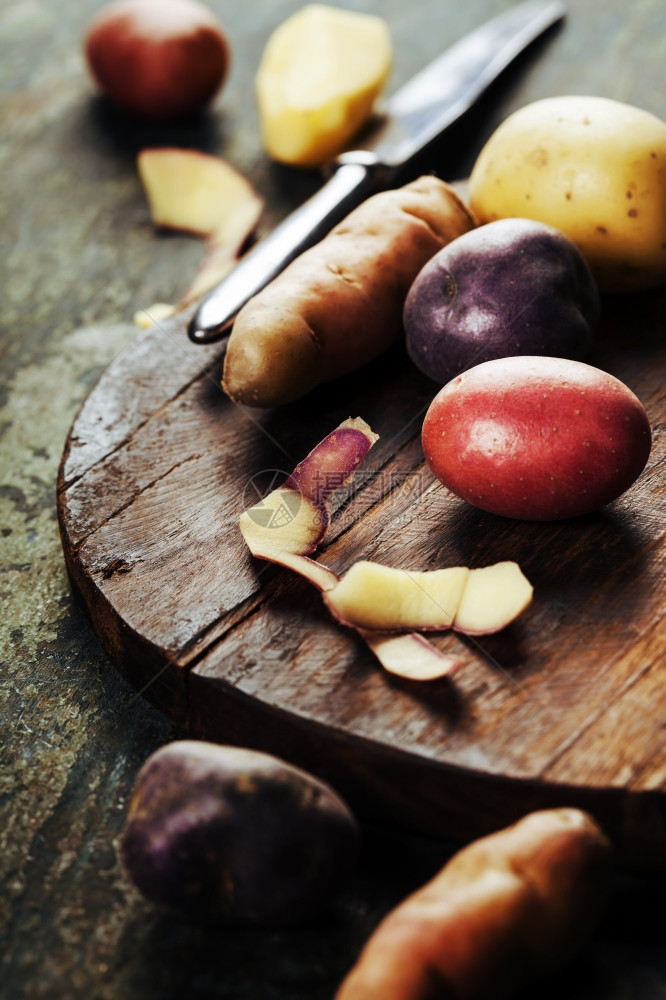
(339, 304)
(505, 911)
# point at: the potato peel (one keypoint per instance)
(407, 654)
(294, 518)
(197, 193)
(329, 466)
(387, 607)
(410, 656)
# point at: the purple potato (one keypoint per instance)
(511, 287)
(233, 835)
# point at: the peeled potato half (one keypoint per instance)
(320, 74)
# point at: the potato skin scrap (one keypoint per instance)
(333, 461)
(339, 304)
(504, 911)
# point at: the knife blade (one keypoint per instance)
(416, 115)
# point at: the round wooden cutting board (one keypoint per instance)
(565, 706)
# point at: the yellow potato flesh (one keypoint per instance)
(319, 77)
(492, 598)
(373, 596)
(474, 601)
(592, 167)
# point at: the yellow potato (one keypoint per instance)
(318, 79)
(592, 167)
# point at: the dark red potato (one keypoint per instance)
(156, 59)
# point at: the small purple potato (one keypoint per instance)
(511, 287)
(232, 835)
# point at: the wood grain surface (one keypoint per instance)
(564, 706)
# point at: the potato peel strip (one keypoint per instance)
(407, 654)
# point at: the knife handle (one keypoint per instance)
(355, 176)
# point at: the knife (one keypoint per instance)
(416, 115)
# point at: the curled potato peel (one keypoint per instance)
(386, 606)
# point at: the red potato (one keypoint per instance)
(158, 60)
(505, 911)
(536, 438)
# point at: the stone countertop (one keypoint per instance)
(79, 257)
